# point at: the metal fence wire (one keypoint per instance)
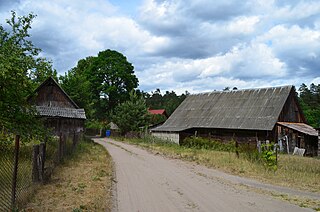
(24, 165)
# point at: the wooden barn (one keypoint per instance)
(249, 116)
(57, 109)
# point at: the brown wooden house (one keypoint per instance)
(251, 115)
(57, 109)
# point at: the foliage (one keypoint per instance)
(95, 124)
(169, 101)
(157, 118)
(20, 71)
(310, 103)
(205, 143)
(99, 84)
(269, 157)
(131, 115)
(77, 86)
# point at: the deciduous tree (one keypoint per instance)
(20, 68)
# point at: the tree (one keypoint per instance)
(77, 86)
(132, 114)
(19, 70)
(169, 101)
(109, 78)
(310, 103)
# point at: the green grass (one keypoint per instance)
(293, 171)
(81, 183)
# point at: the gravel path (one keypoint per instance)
(148, 182)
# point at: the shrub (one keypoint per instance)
(269, 156)
(205, 143)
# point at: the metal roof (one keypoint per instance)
(158, 112)
(300, 127)
(61, 112)
(251, 109)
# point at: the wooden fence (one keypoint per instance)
(23, 166)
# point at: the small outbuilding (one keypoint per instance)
(161, 112)
(58, 111)
(247, 116)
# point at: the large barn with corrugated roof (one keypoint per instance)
(251, 115)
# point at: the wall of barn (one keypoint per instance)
(64, 125)
(291, 111)
(170, 136)
(51, 96)
(227, 135)
(296, 139)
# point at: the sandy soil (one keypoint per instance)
(149, 182)
(80, 184)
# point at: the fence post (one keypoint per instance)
(64, 145)
(15, 171)
(237, 149)
(42, 159)
(319, 142)
(74, 141)
(60, 149)
(35, 166)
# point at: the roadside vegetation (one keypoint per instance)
(82, 183)
(292, 171)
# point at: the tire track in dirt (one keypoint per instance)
(148, 182)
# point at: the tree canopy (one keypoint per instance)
(100, 83)
(169, 101)
(310, 103)
(21, 70)
(131, 114)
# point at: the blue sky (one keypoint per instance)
(194, 45)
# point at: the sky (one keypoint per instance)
(184, 45)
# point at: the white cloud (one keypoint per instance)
(186, 45)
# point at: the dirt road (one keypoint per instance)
(148, 182)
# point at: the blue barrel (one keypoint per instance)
(108, 133)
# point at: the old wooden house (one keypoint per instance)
(57, 109)
(251, 116)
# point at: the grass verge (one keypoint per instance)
(82, 183)
(293, 171)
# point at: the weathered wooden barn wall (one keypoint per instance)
(57, 110)
(291, 111)
(64, 125)
(305, 138)
(226, 135)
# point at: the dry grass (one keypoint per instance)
(293, 171)
(82, 183)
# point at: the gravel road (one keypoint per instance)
(146, 182)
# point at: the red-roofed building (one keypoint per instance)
(158, 112)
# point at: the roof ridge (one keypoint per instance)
(51, 78)
(240, 90)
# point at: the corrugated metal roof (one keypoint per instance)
(252, 109)
(300, 127)
(61, 112)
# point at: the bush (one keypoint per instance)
(205, 143)
(269, 156)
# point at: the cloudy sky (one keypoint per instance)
(194, 45)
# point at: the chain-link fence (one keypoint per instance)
(24, 165)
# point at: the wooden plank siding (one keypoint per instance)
(57, 110)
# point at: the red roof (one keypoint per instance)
(160, 112)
